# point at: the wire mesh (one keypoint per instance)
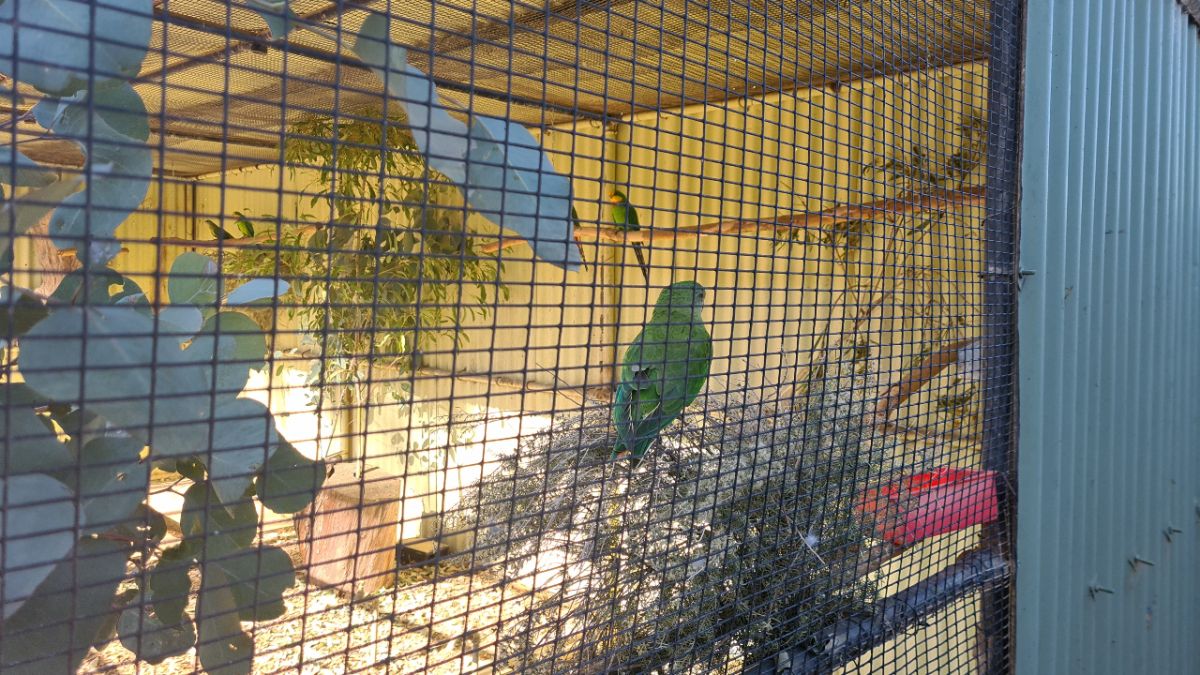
(493, 336)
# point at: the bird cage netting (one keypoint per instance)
(508, 336)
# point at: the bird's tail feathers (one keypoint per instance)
(641, 256)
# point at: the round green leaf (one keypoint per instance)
(19, 311)
(60, 43)
(258, 578)
(170, 584)
(37, 531)
(222, 646)
(153, 640)
(290, 481)
(191, 468)
(127, 358)
(112, 481)
(31, 447)
(243, 437)
(242, 348)
(214, 527)
(194, 280)
(110, 127)
(69, 612)
(257, 291)
(182, 321)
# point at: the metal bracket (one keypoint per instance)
(1017, 277)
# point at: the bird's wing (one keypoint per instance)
(639, 398)
(688, 354)
(699, 361)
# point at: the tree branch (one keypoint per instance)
(904, 205)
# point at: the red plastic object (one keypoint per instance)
(926, 504)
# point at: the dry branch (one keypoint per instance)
(918, 377)
(266, 241)
(904, 205)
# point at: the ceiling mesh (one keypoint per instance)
(220, 93)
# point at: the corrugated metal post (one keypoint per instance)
(1109, 470)
(1002, 278)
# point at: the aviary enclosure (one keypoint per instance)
(504, 336)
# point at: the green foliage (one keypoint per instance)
(111, 384)
(101, 384)
(498, 165)
(393, 271)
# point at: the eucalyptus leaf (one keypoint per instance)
(21, 213)
(94, 286)
(170, 585)
(499, 165)
(115, 111)
(191, 468)
(17, 393)
(126, 361)
(61, 44)
(194, 280)
(20, 310)
(442, 139)
(185, 321)
(258, 577)
(118, 171)
(107, 632)
(29, 446)
(290, 481)
(18, 170)
(52, 633)
(243, 437)
(145, 526)
(257, 290)
(237, 345)
(213, 528)
(112, 482)
(38, 530)
(511, 181)
(279, 16)
(153, 640)
(222, 646)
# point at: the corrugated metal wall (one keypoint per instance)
(1110, 330)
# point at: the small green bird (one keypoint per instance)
(217, 231)
(626, 218)
(243, 224)
(665, 368)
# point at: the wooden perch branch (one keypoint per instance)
(266, 241)
(938, 199)
(899, 206)
(918, 377)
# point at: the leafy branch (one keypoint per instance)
(102, 385)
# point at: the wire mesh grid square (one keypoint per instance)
(490, 336)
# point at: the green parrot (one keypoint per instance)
(626, 218)
(665, 368)
(218, 232)
(244, 225)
